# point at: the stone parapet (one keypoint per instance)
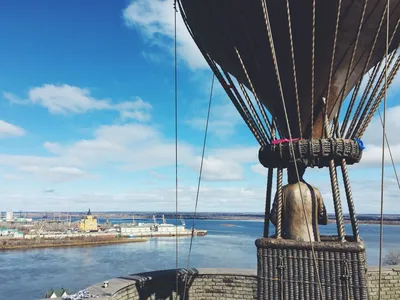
(205, 284)
(390, 282)
(200, 284)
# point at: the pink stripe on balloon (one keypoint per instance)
(275, 142)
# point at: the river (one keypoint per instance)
(28, 274)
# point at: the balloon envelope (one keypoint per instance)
(220, 26)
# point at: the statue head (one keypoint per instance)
(292, 175)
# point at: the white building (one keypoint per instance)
(143, 229)
(139, 229)
(170, 228)
(9, 216)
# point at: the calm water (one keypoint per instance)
(28, 274)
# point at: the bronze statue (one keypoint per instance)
(294, 223)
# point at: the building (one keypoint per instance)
(137, 230)
(146, 229)
(9, 216)
(56, 293)
(88, 223)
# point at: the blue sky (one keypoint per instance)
(87, 120)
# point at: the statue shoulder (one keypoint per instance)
(315, 189)
(317, 192)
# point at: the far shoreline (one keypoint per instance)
(389, 219)
(50, 243)
(330, 221)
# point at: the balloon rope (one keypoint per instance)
(383, 152)
(199, 180)
(268, 202)
(390, 153)
(332, 170)
(367, 89)
(369, 57)
(176, 149)
(247, 118)
(351, 106)
(378, 99)
(312, 71)
(360, 24)
(294, 68)
(253, 110)
(253, 119)
(269, 191)
(335, 188)
(360, 122)
(275, 61)
(253, 90)
(333, 57)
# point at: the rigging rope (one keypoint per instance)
(333, 52)
(199, 180)
(390, 153)
(370, 55)
(257, 117)
(262, 136)
(176, 149)
(253, 90)
(378, 99)
(336, 124)
(243, 111)
(312, 72)
(275, 61)
(294, 67)
(363, 120)
(383, 152)
(335, 129)
(366, 92)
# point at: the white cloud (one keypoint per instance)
(54, 173)
(215, 169)
(240, 198)
(155, 19)
(260, 169)
(135, 115)
(10, 130)
(224, 118)
(240, 154)
(14, 99)
(67, 99)
(130, 147)
(372, 139)
(52, 147)
(11, 177)
(225, 164)
(373, 134)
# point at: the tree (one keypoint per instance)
(392, 258)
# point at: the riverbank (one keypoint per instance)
(24, 244)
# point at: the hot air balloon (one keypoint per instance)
(306, 76)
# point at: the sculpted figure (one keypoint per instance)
(294, 224)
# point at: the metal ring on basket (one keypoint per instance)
(317, 153)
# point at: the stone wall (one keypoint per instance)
(390, 283)
(201, 284)
(205, 284)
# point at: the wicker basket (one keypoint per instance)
(286, 269)
(311, 153)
